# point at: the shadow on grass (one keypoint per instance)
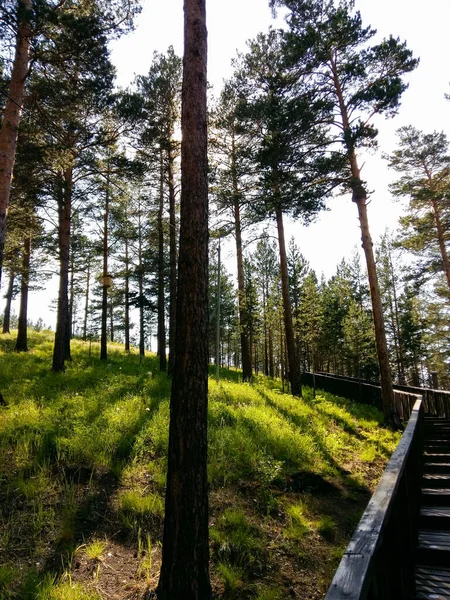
(81, 496)
(304, 423)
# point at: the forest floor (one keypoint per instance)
(82, 475)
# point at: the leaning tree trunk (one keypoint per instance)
(61, 348)
(387, 391)
(161, 295)
(12, 113)
(360, 199)
(294, 366)
(22, 341)
(441, 240)
(185, 554)
(172, 261)
(9, 297)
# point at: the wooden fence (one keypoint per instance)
(377, 564)
(436, 402)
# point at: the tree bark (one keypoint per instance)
(140, 275)
(9, 297)
(12, 114)
(360, 199)
(441, 240)
(103, 336)
(294, 366)
(245, 346)
(61, 348)
(86, 300)
(127, 297)
(173, 262)
(72, 294)
(161, 352)
(185, 555)
(22, 341)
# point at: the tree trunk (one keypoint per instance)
(12, 114)
(441, 240)
(111, 320)
(185, 555)
(61, 348)
(22, 342)
(161, 351)
(72, 293)
(266, 342)
(294, 367)
(245, 346)
(9, 297)
(360, 199)
(86, 302)
(141, 314)
(127, 297)
(103, 336)
(401, 358)
(173, 262)
(271, 370)
(140, 274)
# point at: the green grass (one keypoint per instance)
(83, 458)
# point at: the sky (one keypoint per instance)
(334, 235)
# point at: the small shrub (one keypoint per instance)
(95, 549)
(327, 528)
(299, 525)
(231, 577)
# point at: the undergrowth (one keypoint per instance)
(83, 458)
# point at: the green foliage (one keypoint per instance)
(95, 549)
(231, 577)
(298, 523)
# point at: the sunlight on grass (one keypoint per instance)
(87, 449)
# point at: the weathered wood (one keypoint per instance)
(377, 562)
(436, 402)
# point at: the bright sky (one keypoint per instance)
(424, 25)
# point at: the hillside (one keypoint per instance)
(82, 474)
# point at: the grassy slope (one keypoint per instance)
(82, 468)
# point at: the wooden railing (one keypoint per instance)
(436, 402)
(377, 564)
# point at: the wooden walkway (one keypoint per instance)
(432, 556)
(400, 549)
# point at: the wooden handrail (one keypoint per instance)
(377, 563)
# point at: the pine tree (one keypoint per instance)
(22, 20)
(423, 161)
(160, 93)
(285, 113)
(185, 554)
(362, 80)
(232, 185)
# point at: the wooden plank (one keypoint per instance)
(432, 582)
(352, 580)
(434, 540)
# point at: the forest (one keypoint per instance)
(129, 196)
